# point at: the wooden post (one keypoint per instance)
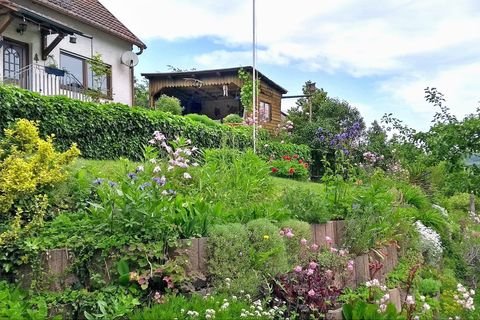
(472, 203)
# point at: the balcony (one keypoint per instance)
(47, 81)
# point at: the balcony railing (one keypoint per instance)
(48, 81)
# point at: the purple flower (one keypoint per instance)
(160, 181)
(112, 184)
(313, 265)
(311, 293)
(132, 175)
(297, 269)
(98, 181)
(145, 185)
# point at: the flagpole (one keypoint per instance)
(254, 81)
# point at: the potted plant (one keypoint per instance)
(52, 68)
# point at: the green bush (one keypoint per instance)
(290, 168)
(15, 305)
(109, 131)
(272, 150)
(233, 118)
(429, 287)
(203, 119)
(229, 264)
(270, 254)
(301, 230)
(168, 104)
(305, 204)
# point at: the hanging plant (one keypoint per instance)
(246, 92)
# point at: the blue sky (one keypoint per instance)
(378, 55)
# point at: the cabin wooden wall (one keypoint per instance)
(274, 98)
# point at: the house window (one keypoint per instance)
(265, 112)
(82, 74)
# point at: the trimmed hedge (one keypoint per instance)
(112, 130)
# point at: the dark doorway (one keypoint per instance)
(14, 63)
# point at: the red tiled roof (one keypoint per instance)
(92, 12)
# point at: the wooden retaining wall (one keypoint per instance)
(56, 264)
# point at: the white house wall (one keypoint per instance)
(96, 41)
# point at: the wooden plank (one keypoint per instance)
(340, 233)
(56, 264)
(313, 229)
(362, 272)
(395, 298)
(202, 255)
(330, 231)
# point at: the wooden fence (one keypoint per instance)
(56, 264)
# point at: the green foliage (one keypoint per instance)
(141, 93)
(306, 204)
(100, 72)
(28, 163)
(16, 305)
(246, 92)
(368, 311)
(109, 131)
(429, 287)
(292, 168)
(229, 262)
(203, 119)
(168, 104)
(233, 118)
(269, 252)
(301, 230)
(276, 150)
(178, 307)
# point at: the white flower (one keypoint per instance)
(170, 168)
(410, 300)
(186, 175)
(426, 307)
(157, 169)
(431, 244)
(153, 160)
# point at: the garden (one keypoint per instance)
(112, 212)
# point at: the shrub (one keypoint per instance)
(168, 104)
(15, 305)
(109, 131)
(429, 287)
(28, 163)
(203, 119)
(233, 118)
(272, 150)
(229, 259)
(301, 231)
(290, 167)
(305, 204)
(270, 254)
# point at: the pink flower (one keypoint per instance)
(282, 233)
(297, 269)
(342, 252)
(310, 272)
(289, 234)
(314, 247)
(313, 265)
(329, 273)
(328, 239)
(350, 267)
(311, 293)
(332, 249)
(303, 241)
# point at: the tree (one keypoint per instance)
(141, 98)
(168, 104)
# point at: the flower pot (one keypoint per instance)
(55, 71)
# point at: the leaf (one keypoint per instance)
(347, 311)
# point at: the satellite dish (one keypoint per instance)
(129, 59)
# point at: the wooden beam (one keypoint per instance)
(5, 20)
(47, 49)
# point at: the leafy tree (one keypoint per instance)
(141, 93)
(168, 104)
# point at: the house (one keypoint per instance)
(46, 46)
(216, 93)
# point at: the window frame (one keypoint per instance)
(261, 106)
(85, 73)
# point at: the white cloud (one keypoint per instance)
(459, 84)
(359, 37)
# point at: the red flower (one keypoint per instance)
(274, 170)
(305, 165)
(300, 161)
(287, 158)
(291, 171)
(295, 156)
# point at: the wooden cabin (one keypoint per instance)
(216, 93)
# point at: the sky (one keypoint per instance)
(378, 55)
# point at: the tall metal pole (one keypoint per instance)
(254, 81)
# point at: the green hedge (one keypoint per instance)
(113, 130)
